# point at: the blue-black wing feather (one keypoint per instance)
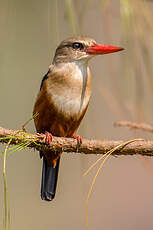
(44, 78)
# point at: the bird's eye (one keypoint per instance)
(77, 45)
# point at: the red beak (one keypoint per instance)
(102, 49)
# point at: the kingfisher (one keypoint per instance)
(63, 100)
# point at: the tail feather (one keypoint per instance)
(49, 180)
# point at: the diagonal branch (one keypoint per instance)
(36, 141)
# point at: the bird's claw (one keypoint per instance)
(48, 137)
(79, 140)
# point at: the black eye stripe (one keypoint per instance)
(77, 45)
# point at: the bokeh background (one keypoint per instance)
(122, 90)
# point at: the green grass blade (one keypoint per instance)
(6, 197)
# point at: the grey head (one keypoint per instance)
(81, 49)
(73, 49)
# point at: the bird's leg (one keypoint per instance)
(48, 137)
(51, 158)
(79, 140)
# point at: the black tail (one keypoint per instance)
(49, 180)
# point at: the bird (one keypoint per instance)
(63, 99)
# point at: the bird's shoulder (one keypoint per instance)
(46, 76)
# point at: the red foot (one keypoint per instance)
(79, 139)
(48, 138)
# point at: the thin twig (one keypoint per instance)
(133, 125)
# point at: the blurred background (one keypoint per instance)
(122, 90)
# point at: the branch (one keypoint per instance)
(142, 126)
(37, 141)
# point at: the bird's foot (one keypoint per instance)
(79, 140)
(48, 137)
